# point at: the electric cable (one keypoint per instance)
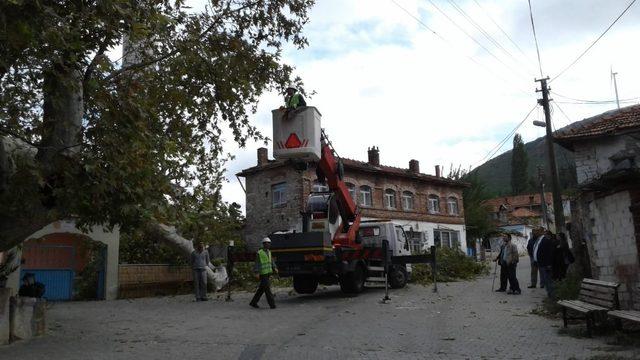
(501, 29)
(593, 43)
(535, 37)
(474, 39)
(578, 101)
(451, 45)
(499, 146)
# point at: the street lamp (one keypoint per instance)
(540, 123)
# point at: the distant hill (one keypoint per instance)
(496, 173)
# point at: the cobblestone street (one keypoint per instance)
(464, 320)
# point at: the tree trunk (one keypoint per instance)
(169, 236)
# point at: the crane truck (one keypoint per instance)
(335, 246)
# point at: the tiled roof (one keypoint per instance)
(512, 202)
(606, 124)
(524, 213)
(367, 167)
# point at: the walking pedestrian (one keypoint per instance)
(264, 267)
(543, 257)
(199, 263)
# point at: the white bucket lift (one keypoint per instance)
(297, 136)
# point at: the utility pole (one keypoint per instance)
(543, 203)
(615, 86)
(558, 212)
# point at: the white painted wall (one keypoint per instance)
(613, 239)
(428, 227)
(592, 158)
(97, 233)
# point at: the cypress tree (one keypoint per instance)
(519, 163)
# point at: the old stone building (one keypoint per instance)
(607, 211)
(429, 207)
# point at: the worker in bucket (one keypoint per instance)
(263, 268)
(293, 99)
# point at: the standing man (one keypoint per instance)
(504, 273)
(263, 268)
(535, 234)
(543, 257)
(511, 258)
(199, 263)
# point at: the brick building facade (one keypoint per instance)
(430, 208)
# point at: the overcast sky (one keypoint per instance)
(384, 79)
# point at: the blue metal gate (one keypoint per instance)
(53, 266)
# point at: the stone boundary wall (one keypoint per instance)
(147, 280)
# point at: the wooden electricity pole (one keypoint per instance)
(558, 212)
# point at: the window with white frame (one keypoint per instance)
(407, 200)
(352, 191)
(390, 199)
(433, 204)
(446, 238)
(365, 195)
(319, 187)
(279, 194)
(452, 205)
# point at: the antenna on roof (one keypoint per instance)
(615, 85)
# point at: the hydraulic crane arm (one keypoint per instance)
(328, 166)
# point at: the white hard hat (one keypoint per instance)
(292, 86)
(266, 240)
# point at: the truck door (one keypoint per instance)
(402, 243)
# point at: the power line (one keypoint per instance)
(501, 29)
(535, 37)
(470, 58)
(499, 146)
(491, 39)
(580, 101)
(563, 113)
(472, 38)
(594, 42)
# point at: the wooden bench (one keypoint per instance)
(627, 315)
(596, 297)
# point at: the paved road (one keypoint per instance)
(463, 320)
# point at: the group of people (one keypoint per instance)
(550, 257)
(263, 269)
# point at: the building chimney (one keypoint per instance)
(414, 166)
(437, 170)
(263, 156)
(374, 156)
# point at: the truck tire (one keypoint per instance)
(398, 277)
(305, 284)
(353, 282)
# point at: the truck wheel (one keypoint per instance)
(305, 284)
(353, 282)
(398, 277)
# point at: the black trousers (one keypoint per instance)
(513, 280)
(504, 276)
(264, 287)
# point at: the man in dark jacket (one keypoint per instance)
(535, 234)
(543, 257)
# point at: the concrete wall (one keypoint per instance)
(5, 317)
(27, 318)
(613, 241)
(97, 233)
(592, 158)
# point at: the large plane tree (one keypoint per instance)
(133, 143)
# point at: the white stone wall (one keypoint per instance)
(614, 243)
(592, 158)
(427, 228)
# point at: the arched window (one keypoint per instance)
(390, 199)
(433, 204)
(352, 190)
(318, 187)
(452, 205)
(365, 195)
(407, 200)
